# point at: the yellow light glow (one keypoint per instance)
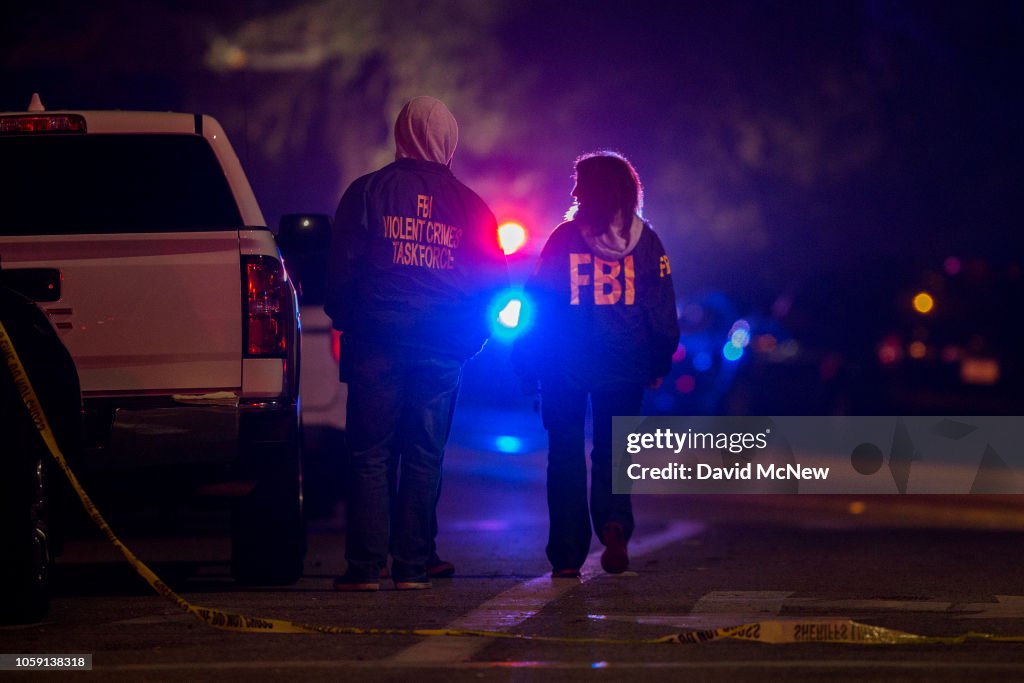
(917, 350)
(924, 303)
(236, 57)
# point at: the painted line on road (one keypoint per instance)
(724, 608)
(517, 604)
(741, 602)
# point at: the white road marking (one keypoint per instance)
(514, 606)
(719, 609)
(747, 602)
(1006, 607)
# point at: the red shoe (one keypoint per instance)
(615, 558)
(439, 569)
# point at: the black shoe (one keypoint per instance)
(615, 558)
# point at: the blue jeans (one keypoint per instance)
(400, 406)
(564, 411)
(393, 486)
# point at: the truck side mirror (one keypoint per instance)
(303, 233)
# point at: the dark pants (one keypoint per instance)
(564, 412)
(393, 486)
(400, 405)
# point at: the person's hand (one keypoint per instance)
(655, 383)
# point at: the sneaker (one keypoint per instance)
(439, 569)
(565, 574)
(412, 585)
(349, 584)
(614, 559)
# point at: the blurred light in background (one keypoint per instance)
(739, 335)
(924, 303)
(508, 444)
(702, 361)
(951, 354)
(766, 343)
(890, 350)
(512, 237)
(984, 371)
(686, 383)
(510, 315)
(789, 349)
(829, 367)
(731, 352)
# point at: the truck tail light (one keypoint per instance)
(266, 307)
(336, 346)
(41, 123)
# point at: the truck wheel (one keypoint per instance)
(25, 570)
(268, 530)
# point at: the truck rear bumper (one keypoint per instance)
(164, 432)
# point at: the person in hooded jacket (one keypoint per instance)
(414, 265)
(605, 327)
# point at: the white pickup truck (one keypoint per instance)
(140, 237)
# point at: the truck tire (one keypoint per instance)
(24, 533)
(268, 529)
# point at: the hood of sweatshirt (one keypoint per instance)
(611, 244)
(426, 130)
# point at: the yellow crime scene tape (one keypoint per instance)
(780, 631)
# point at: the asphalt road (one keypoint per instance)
(933, 566)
